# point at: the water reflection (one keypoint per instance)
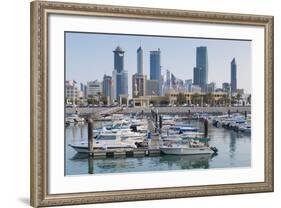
(187, 161)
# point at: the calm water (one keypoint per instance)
(234, 151)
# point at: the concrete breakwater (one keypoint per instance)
(184, 110)
(161, 110)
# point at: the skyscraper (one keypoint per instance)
(201, 69)
(233, 78)
(155, 68)
(168, 79)
(139, 85)
(173, 81)
(107, 87)
(226, 87)
(121, 76)
(140, 61)
(196, 77)
(138, 79)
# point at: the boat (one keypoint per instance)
(109, 140)
(74, 118)
(195, 146)
(246, 128)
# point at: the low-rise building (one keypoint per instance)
(94, 88)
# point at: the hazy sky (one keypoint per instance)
(89, 56)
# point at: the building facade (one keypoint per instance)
(72, 90)
(140, 61)
(139, 85)
(120, 75)
(94, 88)
(200, 72)
(155, 69)
(233, 78)
(152, 87)
(226, 87)
(107, 87)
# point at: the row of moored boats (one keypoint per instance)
(131, 133)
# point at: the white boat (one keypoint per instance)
(109, 141)
(193, 147)
(246, 128)
(73, 118)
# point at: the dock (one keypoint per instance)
(123, 153)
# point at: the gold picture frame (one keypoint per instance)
(39, 103)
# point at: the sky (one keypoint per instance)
(88, 56)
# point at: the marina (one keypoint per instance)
(169, 142)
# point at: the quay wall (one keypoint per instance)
(161, 110)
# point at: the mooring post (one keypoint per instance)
(156, 123)
(205, 127)
(90, 165)
(90, 136)
(245, 114)
(228, 112)
(160, 124)
(189, 116)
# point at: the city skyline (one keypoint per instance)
(89, 56)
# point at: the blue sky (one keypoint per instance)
(89, 56)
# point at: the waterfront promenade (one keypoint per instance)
(161, 110)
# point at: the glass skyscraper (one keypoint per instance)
(155, 68)
(201, 69)
(106, 86)
(121, 79)
(140, 61)
(233, 78)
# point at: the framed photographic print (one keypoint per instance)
(142, 103)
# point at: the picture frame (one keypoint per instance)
(40, 92)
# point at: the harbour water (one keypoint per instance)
(234, 151)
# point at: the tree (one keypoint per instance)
(99, 97)
(238, 98)
(249, 98)
(196, 98)
(104, 100)
(208, 98)
(181, 99)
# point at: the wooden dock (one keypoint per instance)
(123, 153)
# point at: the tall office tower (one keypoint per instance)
(196, 78)
(121, 76)
(233, 78)
(226, 87)
(188, 84)
(173, 81)
(140, 61)
(107, 87)
(151, 87)
(139, 85)
(124, 83)
(202, 66)
(168, 79)
(155, 68)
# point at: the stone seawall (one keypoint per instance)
(161, 110)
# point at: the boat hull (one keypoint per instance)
(186, 151)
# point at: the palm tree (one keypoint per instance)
(249, 99)
(99, 96)
(195, 98)
(238, 97)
